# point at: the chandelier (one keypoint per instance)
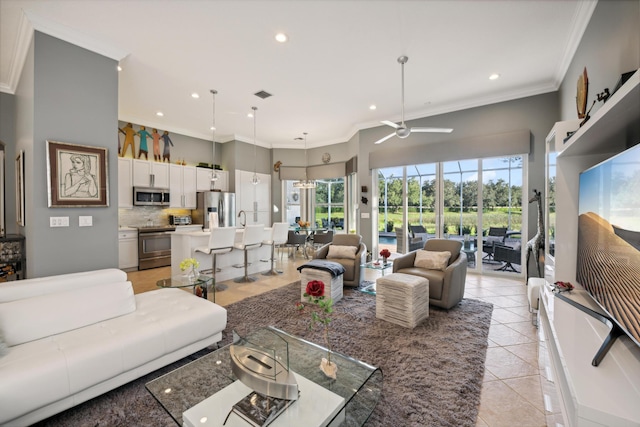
(306, 182)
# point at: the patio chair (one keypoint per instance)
(495, 234)
(508, 255)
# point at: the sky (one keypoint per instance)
(618, 203)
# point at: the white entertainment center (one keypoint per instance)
(608, 394)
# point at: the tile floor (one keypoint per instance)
(512, 390)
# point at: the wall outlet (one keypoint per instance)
(85, 221)
(58, 221)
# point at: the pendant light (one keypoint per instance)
(306, 182)
(254, 180)
(214, 174)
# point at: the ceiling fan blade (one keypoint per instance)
(434, 130)
(388, 123)
(385, 138)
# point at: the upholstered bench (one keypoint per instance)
(402, 299)
(328, 272)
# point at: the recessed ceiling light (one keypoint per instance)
(494, 76)
(159, 114)
(119, 68)
(212, 128)
(250, 115)
(195, 95)
(372, 107)
(281, 37)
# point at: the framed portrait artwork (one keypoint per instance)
(20, 219)
(77, 175)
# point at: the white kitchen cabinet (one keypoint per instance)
(182, 186)
(254, 198)
(125, 183)
(150, 174)
(204, 180)
(128, 249)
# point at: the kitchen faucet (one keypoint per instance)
(244, 224)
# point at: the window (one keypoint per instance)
(329, 206)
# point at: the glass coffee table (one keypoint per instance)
(375, 265)
(359, 384)
(200, 286)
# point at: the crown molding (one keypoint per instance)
(578, 26)
(77, 38)
(25, 35)
(30, 22)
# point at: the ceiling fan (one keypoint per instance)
(402, 131)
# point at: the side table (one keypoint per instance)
(202, 284)
(375, 265)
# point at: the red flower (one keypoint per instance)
(385, 253)
(315, 288)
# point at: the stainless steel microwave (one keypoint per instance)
(150, 196)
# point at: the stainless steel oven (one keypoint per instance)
(154, 247)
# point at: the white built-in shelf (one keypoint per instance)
(606, 395)
(618, 116)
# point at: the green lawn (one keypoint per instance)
(494, 218)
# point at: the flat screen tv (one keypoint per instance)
(608, 264)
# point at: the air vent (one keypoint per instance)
(262, 94)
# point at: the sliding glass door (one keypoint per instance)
(464, 200)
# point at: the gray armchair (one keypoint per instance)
(353, 274)
(446, 288)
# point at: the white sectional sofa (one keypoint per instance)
(72, 337)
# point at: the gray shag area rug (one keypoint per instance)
(432, 374)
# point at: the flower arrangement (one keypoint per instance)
(304, 224)
(314, 292)
(190, 263)
(563, 287)
(385, 254)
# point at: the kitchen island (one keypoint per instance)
(183, 246)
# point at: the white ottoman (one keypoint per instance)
(332, 285)
(533, 292)
(402, 299)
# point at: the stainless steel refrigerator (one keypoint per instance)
(224, 204)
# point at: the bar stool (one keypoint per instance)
(278, 237)
(252, 239)
(221, 241)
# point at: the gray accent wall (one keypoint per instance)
(8, 138)
(240, 155)
(75, 100)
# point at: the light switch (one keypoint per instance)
(85, 221)
(58, 221)
(364, 215)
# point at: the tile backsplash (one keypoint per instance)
(138, 216)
